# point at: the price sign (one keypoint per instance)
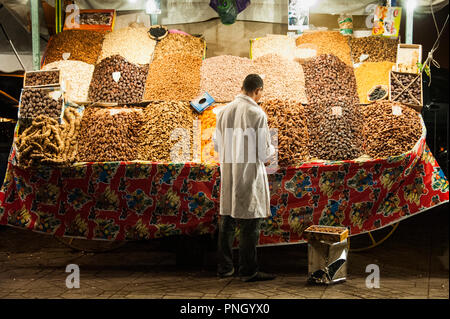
(336, 110)
(396, 110)
(116, 76)
(55, 95)
(66, 56)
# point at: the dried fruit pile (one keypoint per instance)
(334, 130)
(77, 76)
(288, 117)
(222, 76)
(208, 123)
(174, 78)
(369, 74)
(160, 121)
(327, 42)
(179, 43)
(35, 102)
(328, 79)
(128, 89)
(378, 49)
(412, 95)
(132, 43)
(82, 45)
(283, 79)
(386, 134)
(45, 141)
(109, 134)
(42, 78)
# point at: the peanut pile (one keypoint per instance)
(327, 42)
(222, 76)
(179, 43)
(288, 117)
(160, 120)
(283, 79)
(109, 134)
(378, 49)
(38, 101)
(132, 43)
(386, 134)
(82, 45)
(334, 130)
(328, 79)
(412, 95)
(42, 78)
(174, 78)
(47, 142)
(128, 89)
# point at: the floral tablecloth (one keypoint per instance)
(134, 201)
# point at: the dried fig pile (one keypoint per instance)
(334, 131)
(160, 121)
(386, 134)
(328, 79)
(36, 102)
(412, 95)
(42, 78)
(109, 134)
(288, 117)
(128, 88)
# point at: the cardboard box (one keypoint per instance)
(417, 107)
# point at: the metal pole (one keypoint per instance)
(409, 23)
(35, 34)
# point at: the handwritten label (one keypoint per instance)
(363, 57)
(116, 76)
(55, 95)
(336, 110)
(396, 110)
(66, 55)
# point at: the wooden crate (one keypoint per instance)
(417, 107)
(331, 234)
(42, 85)
(93, 27)
(406, 54)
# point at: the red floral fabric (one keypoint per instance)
(133, 201)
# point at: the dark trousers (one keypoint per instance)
(248, 239)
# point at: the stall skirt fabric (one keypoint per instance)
(132, 201)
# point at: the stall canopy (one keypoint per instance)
(188, 11)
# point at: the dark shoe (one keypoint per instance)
(226, 274)
(259, 276)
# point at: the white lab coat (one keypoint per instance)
(244, 186)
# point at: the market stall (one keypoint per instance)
(93, 155)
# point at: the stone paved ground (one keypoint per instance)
(411, 266)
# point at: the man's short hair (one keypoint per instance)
(252, 82)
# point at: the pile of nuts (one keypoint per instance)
(132, 43)
(95, 18)
(283, 79)
(328, 79)
(160, 121)
(327, 42)
(412, 95)
(179, 43)
(281, 45)
(42, 78)
(386, 134)
(39, 101)
(47, 142)
(334, 130)
(176, 77)
(109, 134)
(378, 49)
(128, 89)
(288, 117)
(82, 45)
(222, 76)
(77, 75)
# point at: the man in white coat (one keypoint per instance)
(242, 139)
